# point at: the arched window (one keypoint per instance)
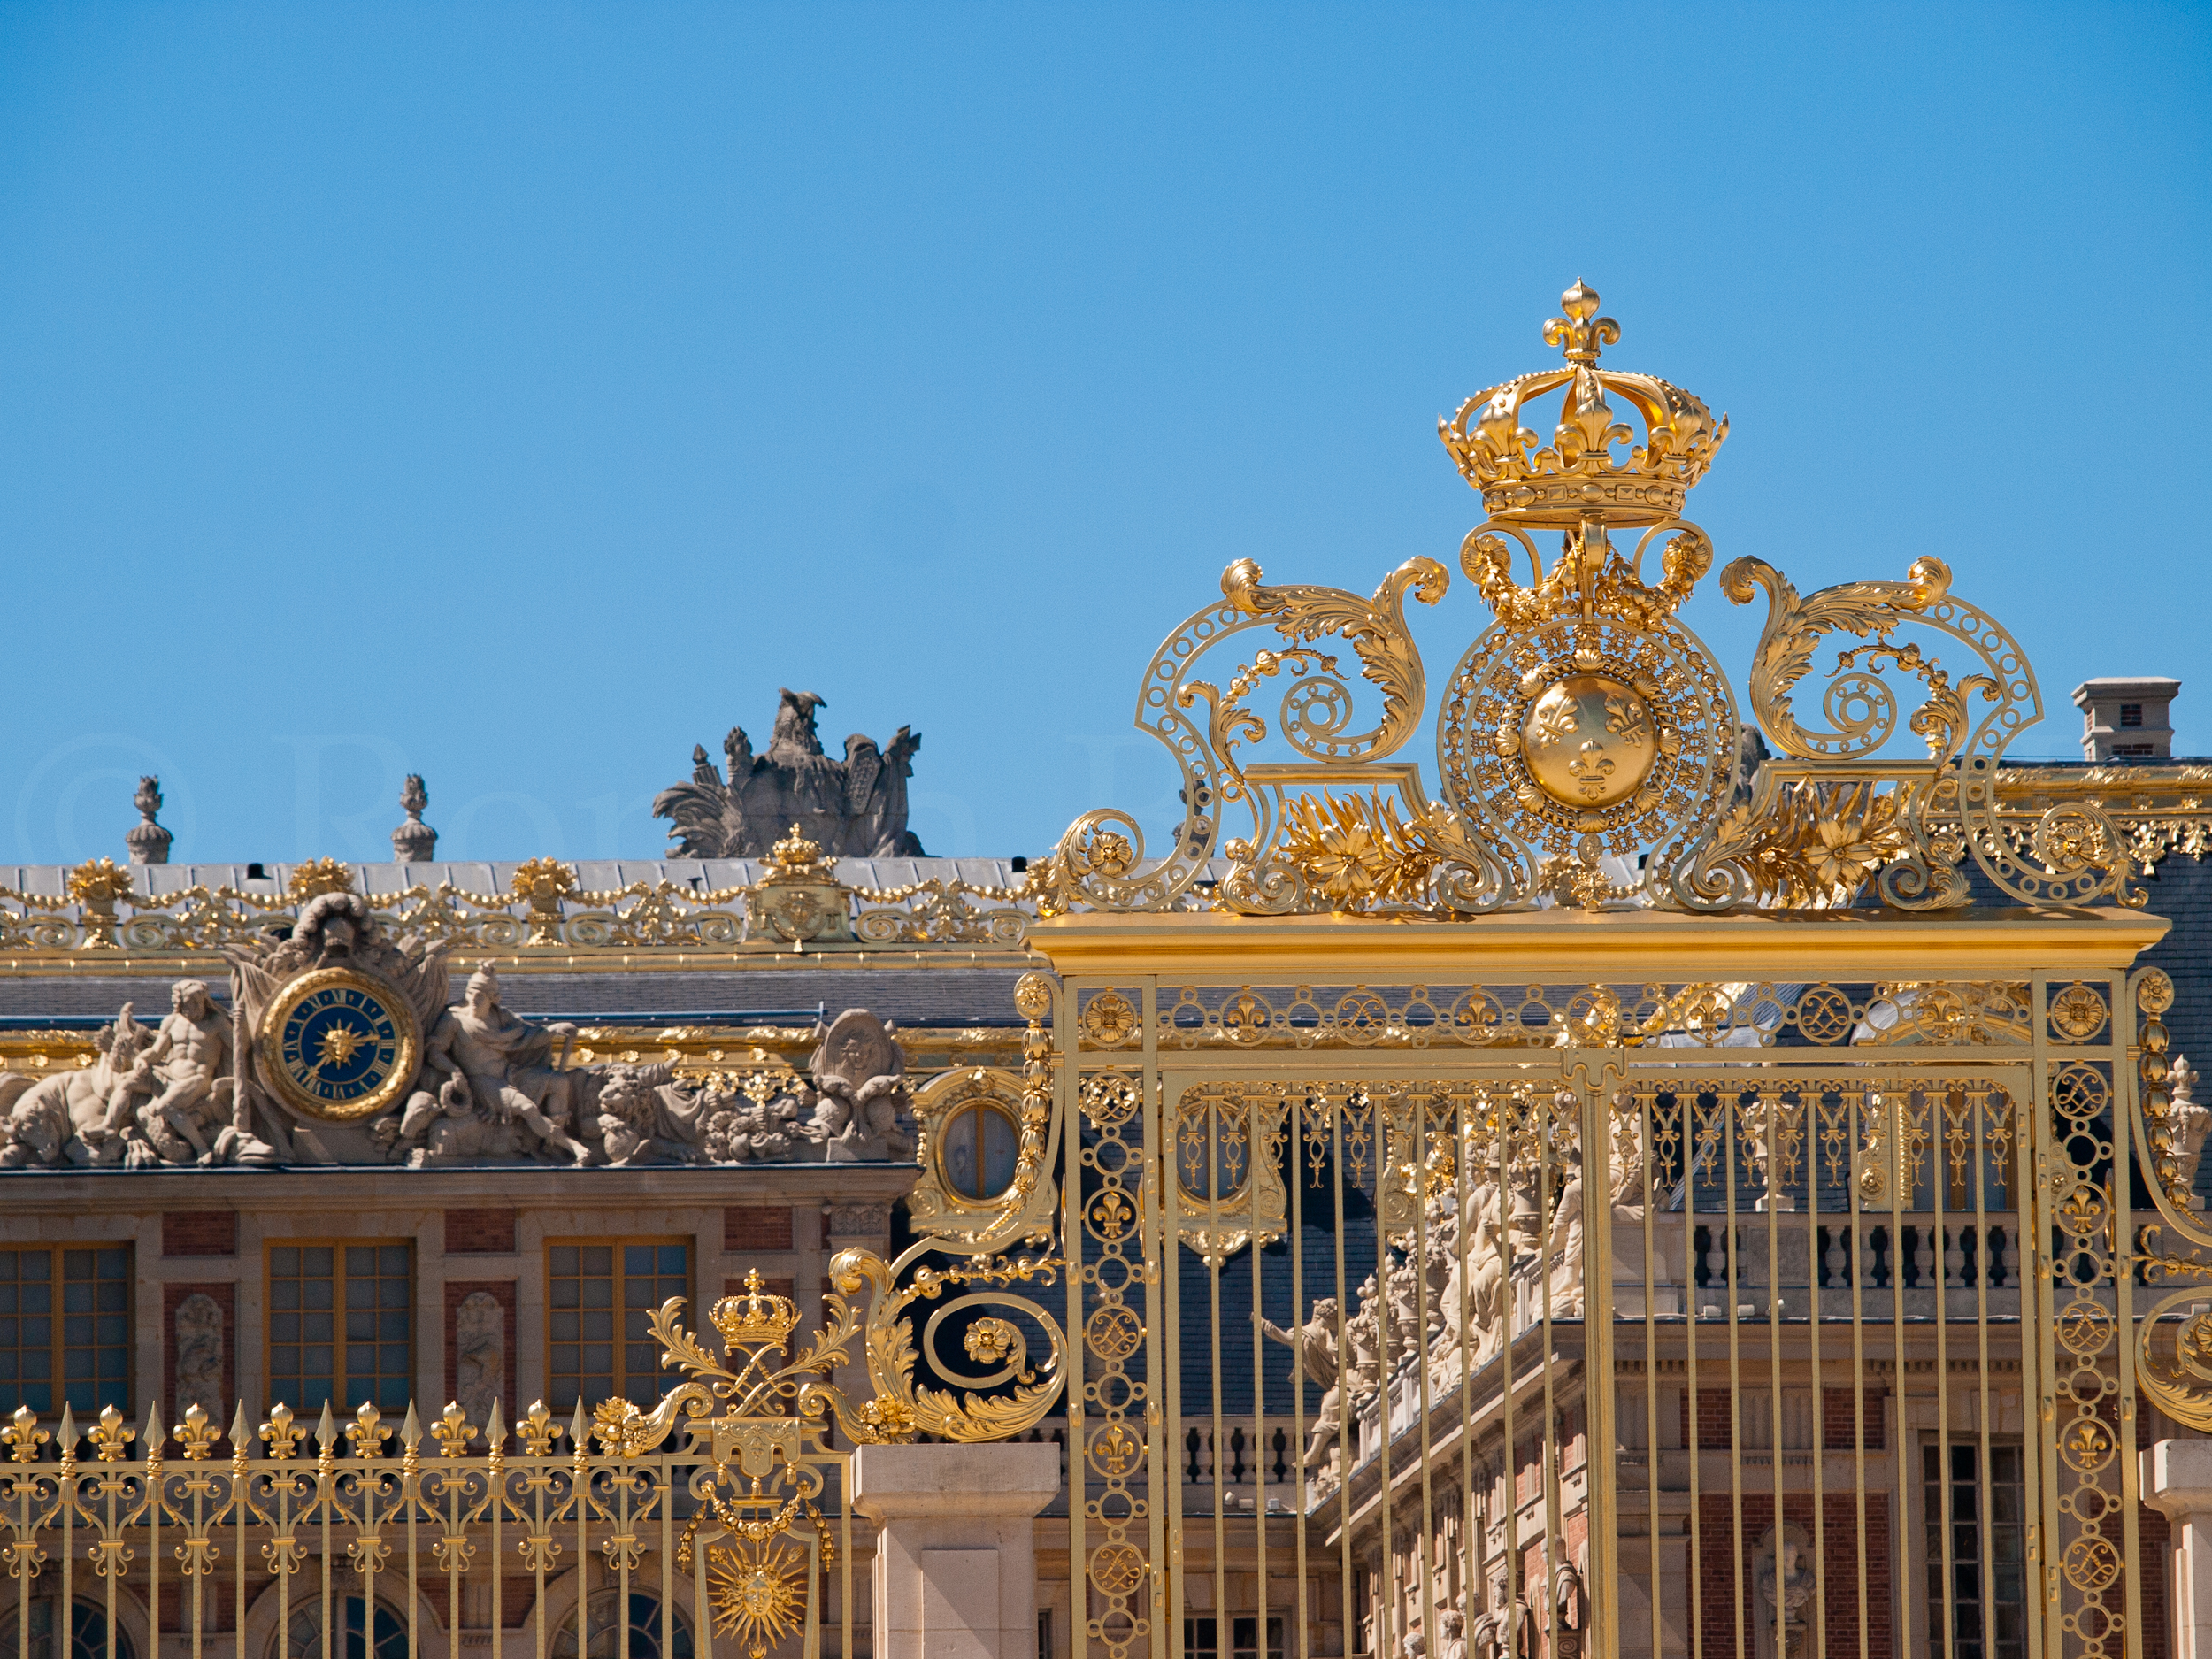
(359, 1638)
(88, 1632)
(603, 1642)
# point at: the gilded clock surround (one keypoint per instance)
(287, 1064)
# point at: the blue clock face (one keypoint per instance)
(340, 1046)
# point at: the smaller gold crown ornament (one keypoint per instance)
(756, 1319)
(794, 853)
(1577, 478)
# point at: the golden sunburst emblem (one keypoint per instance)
(338, 1044)
(759, 1593)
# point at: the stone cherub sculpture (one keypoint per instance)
(860, 1081)
(755, 1125)
(451, 1127)
(1315, 1345)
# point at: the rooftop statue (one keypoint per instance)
(853, 808)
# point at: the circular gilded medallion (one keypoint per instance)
(1590, 734)
(339, 1045)
(1589, 741)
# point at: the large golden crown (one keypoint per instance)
(755, 1319)
(1577, 477)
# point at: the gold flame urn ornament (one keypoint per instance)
(1587, 742)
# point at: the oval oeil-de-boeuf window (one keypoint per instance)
(981, 1145)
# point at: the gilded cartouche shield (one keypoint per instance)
(339, 1045)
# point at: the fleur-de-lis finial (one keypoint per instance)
(279, 1435)
(1582, 333)
(23, 1436)
(366, 1433)
(111, 1435)
(197, 1435)
(453, 1431)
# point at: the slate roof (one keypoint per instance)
(705, 874)
(915, 996)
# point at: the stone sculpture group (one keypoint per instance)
(1450, 1303)
(148, 1097)
(853, 808)
(490, 1086)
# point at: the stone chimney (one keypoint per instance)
(148, 840)
(2126, 719)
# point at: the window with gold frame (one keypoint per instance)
(66, 1328)
(600, 1295)
(341, 1316)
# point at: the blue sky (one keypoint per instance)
(520, 396)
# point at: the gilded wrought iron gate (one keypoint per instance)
(1653, 1194)
(1843, 1363)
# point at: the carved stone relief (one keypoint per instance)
(480, 1347)
(469, 1084)
(198, 1336)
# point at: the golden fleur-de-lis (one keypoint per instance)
(1111, 1215)
(111, 1435)
(197, 1435)
(366, 1433)
(539, 1430)
(1556, 719)
(1592, 766)
(280, 1435)
(23, 1436)
(1115, 1452)
(1626, 722)
(452, 1431)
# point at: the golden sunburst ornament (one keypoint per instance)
(338, 1044)
(759, 1593)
